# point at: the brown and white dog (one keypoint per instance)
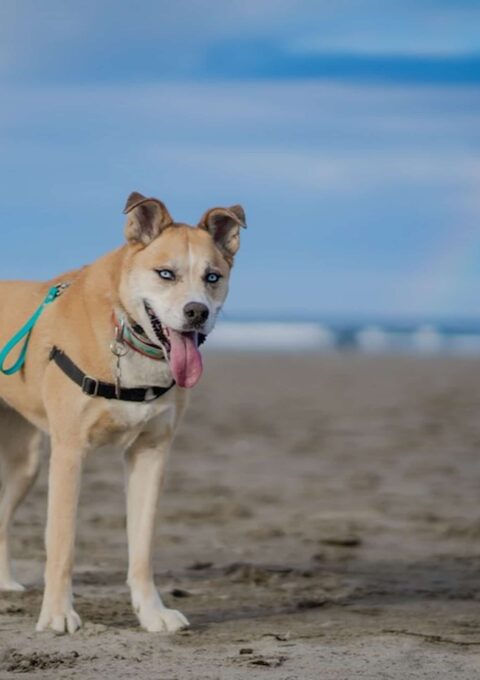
(169, 282)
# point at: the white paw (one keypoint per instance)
(13, 586)
(159, 619)
(64, 622)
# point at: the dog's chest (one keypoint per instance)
(120, 422)
(137, 370)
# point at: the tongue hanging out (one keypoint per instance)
(185, 359)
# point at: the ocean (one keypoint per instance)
(426, 337)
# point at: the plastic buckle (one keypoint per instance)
(90, 386)
(150, 395)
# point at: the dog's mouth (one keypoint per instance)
(182, 349)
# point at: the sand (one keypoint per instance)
(320, 520)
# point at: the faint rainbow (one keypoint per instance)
(439, 288)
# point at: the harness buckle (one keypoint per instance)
(150, 395)
(90, 386)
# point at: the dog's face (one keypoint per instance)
(177, 279)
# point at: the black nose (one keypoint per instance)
(196, 313)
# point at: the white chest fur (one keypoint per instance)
(137, 370)
(141, 371)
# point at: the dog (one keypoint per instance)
(110, 360)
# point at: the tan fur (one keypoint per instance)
(41, 398)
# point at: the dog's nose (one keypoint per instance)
(196, 313)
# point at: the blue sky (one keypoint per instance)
(350, 132)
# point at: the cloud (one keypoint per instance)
(67, 39)
(348, 188)
(265, 139)
(409, 29)
(108, 41)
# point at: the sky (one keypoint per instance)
(348, 130)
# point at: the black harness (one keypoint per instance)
(97, 388)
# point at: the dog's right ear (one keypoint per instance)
(146, 218)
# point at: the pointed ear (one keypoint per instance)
(146, 218)
(223, 224)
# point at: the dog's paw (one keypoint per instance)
(64, 622)
(11, 585)
(159, 619)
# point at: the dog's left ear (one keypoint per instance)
(147, 218)
(224, 226)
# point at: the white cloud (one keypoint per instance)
(37, 38)
(309, 171)
(390, 44)
(307, 136)
(347, 164)
(38, 35)
(409, 29)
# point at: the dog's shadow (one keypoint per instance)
(356, 584)
(247, 591)
(256, 592)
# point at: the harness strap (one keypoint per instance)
(96, 388)
(26, 331)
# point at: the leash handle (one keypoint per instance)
(25, 332)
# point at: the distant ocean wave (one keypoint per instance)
(420, 338)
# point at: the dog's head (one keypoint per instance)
(177, 276)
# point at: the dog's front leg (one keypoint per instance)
(144, 468)
(63, 490)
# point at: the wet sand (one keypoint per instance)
(320, 519)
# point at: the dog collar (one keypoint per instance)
(135, 337)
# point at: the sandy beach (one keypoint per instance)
(320, 520)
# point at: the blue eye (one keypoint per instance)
(212, 277)
(166, 274)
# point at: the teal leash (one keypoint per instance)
(25, 332)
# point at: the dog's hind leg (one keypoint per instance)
(20, 446)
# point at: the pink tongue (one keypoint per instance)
(185, 359)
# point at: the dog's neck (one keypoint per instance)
(98, 285)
